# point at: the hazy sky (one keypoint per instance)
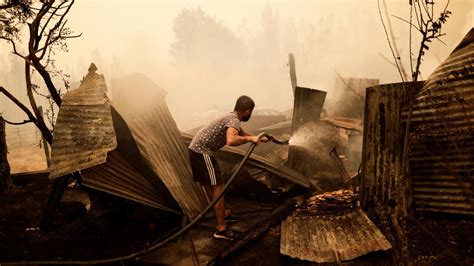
(138, 35)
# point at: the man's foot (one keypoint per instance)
(226, 234)
(231, 218)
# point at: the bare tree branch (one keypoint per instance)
(430, 16)
(395, 47)
(388, 60)
(52, 14)
(423, 23)
(55, 27)
(34, 26)
(43, 35)
(349, 87)
(389, 43)
(14, 46)
(18, 103)
(409, 23)
(39, 118)
(15, 123)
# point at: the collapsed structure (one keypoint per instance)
(137, 152)
(133, 149)
(139, 156)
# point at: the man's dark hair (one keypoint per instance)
(244, 103)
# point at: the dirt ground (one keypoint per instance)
(434, 240)
(74, 235)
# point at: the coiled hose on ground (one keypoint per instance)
(161, 242)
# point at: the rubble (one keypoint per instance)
(328, 202)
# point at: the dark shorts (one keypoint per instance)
(206, 171)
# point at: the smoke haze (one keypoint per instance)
(205, 54)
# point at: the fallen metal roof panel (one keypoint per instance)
(329, 238)
(234, 155)
(91, 137)
(84, 131)
(118, 177)
(148, 160)
(143, 107)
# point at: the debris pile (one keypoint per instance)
(329, 202)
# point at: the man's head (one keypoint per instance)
(244, 107)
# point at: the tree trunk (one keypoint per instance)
(6, 183)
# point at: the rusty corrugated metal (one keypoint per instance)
(307, 108)
(118, 177)
(159, 141)
(234, 155)
(92, 137)
(84, 131)
(442, 146)
(329, 238)
(383, 181)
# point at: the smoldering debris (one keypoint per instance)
(329, 202)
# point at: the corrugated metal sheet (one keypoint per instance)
(442, 147)
(307, 108)
(329, 238)
(144, 109)
(118, 177)
(383, 182)
(84, 131)
(90, 136)
(234, 155)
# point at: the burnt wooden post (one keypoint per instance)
(59, 186)
(385, 186)
(6, 183)
(291, 62)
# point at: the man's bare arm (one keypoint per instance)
(234, 139)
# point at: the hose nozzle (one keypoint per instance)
(274, 140)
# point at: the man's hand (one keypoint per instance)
(257, 140)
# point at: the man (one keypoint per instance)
(202, 150)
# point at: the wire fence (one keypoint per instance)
(23, 136)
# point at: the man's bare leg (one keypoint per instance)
(209, 192)
(219, 207)
(210, 196)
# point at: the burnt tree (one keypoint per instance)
(46, 33)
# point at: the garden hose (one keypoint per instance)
(159, 243)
